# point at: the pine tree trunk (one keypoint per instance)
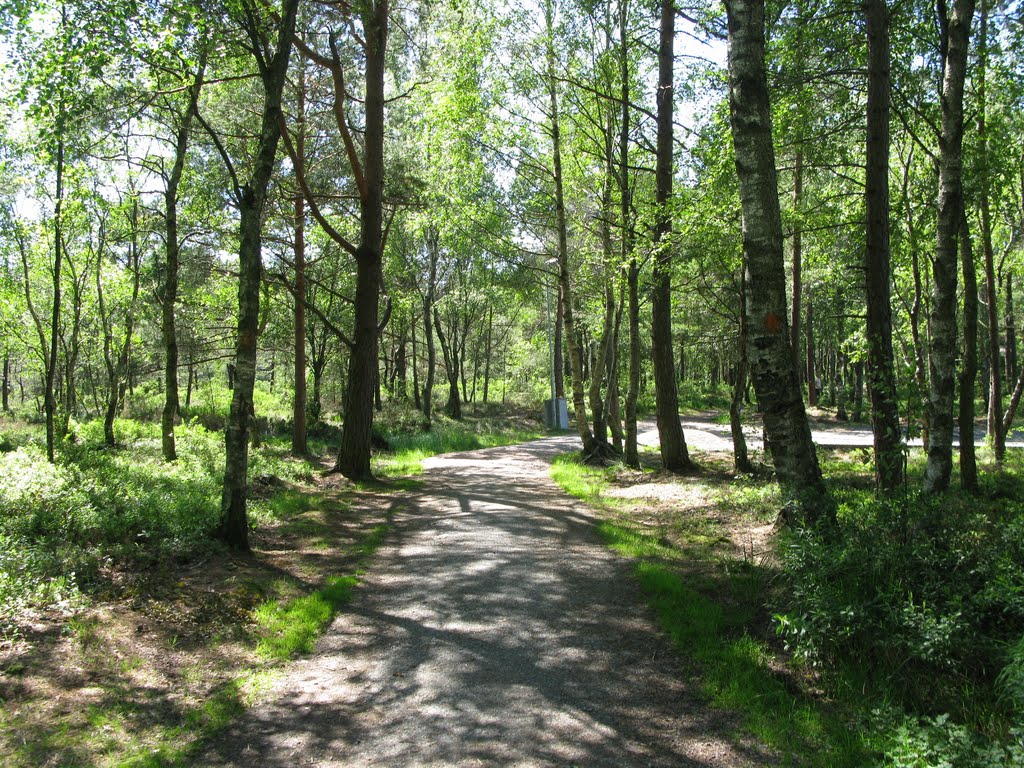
(674, 455)
(357, 434)
(769, 353)
(885, 422)
(950, 202)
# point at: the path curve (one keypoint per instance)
(493, 628)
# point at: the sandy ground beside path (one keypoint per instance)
(492, 629)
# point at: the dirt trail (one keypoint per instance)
(492, 629)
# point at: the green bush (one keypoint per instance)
(938, 741)
(697, 396)
(921, 595)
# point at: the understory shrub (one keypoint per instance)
(60, 522)
(932, 742)
(918, 598)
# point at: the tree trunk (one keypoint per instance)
(299, 445)
(614, 409)
(885, 421)
(1011, 407)
(950, 201)
(632, 455)
(858, 391)
(969, 369)
(454, 405)
(739, 441)
(233, 526)
(417, 402)
(559, 358)
(768, 341)
(1011, 331)
(49, 398)
(487, 352)
(117, 370)
(169, 297)
(920, 375)
(7, 383)
(188, 384)
(354, 453)
(600, 368)
(812, 379)
(428, 327)
(995, 380)
(316, 408)
(798, 241)
(674, 455)
(567, 314)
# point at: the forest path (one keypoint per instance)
(493, 628)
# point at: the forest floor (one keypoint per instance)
(494, 627)
(169, 651)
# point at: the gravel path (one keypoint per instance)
(493, 629)
(705, 434)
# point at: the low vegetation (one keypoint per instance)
(122, 620)
(894, 640)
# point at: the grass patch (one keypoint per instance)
(292, 628)
(578, 479)
(155, 639)
(708, 613)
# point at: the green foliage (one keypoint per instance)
(31, 578)
(408, 444)
(920, 595)
(292, 628)
(734, 666)
(62, 524)
(696, 396)
(938, 741)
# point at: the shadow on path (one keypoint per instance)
(493, 629)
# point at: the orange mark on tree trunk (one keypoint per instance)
(773, 323)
